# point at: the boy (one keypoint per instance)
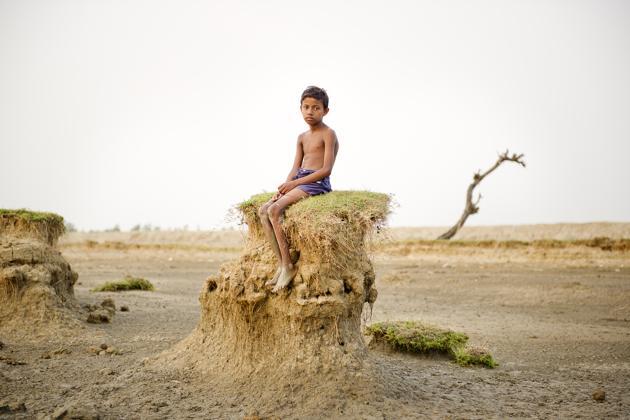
(314, 159)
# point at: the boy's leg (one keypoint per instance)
(263, 213)
(275, 212)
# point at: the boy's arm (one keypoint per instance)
(297, 162)
(330, 138)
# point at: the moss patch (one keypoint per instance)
(128, 283)
(416, 337)
(471, 355)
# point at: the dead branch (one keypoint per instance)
(472, 207)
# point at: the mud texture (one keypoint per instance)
(557, 321)
(36, 289)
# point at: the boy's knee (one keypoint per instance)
(273, 211)
(263, 211)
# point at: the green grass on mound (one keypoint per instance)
(372, 205)
(416, 337)
(331, 227)
(21, 222)
(32, 216)
(128, 283)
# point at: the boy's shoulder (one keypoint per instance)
(323, 131)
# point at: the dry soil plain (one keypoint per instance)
(556, 316)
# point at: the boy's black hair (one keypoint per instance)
(315, 93)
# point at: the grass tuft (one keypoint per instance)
(417, 337)
(128, 283)
(469, 356)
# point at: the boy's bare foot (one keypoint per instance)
(285, 278)
(274, 280)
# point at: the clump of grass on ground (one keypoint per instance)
(128, 283)
(471, 355)
(416, 337)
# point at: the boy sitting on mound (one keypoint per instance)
(314, 159)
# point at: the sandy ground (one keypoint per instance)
(556, 320)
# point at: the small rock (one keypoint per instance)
(109, 302)
(11, 361)
(93, 349)
(100, 316)
(599, 395)
(71, 411)
(107, 371)
(103, 346)
(15, 407)
(1, 345)
(113, 350)
(59, 351)
(59, 413)
(8, 408)
(124, 308)
(88, 307)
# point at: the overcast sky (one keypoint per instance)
(170, 112)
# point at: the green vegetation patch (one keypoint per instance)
(32, 216)
(349, 205)
(332, 226)
(417, 337)
(128, 283)
(471, 355)
(47, 227)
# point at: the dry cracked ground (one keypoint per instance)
(556, 319)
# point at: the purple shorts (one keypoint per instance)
(314, 188)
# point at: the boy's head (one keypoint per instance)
(315, 93)
(314, 105)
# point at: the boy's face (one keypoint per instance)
(313, 111)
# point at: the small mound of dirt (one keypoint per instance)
(36, 282)
(127, 283)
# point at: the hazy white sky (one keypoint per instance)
(170, 112)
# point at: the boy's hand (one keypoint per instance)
(286, 187)
(276, 196)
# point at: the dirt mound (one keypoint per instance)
(36, 282)
(310, 331)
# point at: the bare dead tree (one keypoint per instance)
(472, 207)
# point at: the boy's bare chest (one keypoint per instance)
(313, 144)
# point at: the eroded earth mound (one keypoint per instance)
(312, 329)
(36, 282)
